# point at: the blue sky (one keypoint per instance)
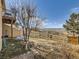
(56, 11)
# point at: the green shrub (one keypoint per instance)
(13, 48)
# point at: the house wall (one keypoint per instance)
(0, 26)
(7, 30)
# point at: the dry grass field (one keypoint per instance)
(55, 48)
(50, 49)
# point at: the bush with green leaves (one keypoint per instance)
(13, 48)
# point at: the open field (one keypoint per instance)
(50, 49)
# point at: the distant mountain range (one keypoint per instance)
(54, 29)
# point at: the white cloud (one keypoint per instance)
(75, 10)
(50, 24)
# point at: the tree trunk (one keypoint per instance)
(29, 33)
(24, 33)
(11, 29)
(28, 28)
(73, 34)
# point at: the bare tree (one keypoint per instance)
(29, 20)
(30, 14)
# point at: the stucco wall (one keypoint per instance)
(7, 30)
(0, 26)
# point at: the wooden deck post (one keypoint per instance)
(11, 29)
(0, 25)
